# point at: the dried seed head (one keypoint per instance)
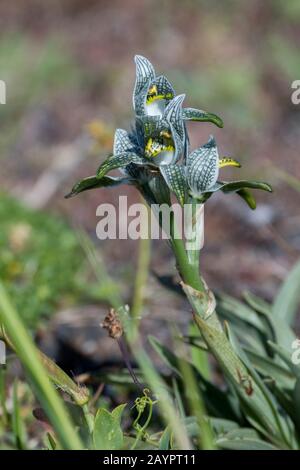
(113, 324)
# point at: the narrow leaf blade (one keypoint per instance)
(92, 182)
(192, 114)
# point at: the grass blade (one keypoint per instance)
(45, 392)
(288, 298)
(17, 423)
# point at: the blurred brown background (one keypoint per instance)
(70, 63)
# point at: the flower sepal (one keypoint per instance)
(93, 182)
(198, 115)
(118, 161)
(241, 188)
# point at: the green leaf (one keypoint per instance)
(93, 182)
(242, 316)
(164, 442)
(199, 357)
(118, 412)
(256, 401)
(296, 402)
(107, 434)
(259, 404)
(3, 405)
(272, 328)
(80, 394)
(244, 444)
(17, 422)
(270, 368)
(195, 404)
(192, 114)
(282, 333)
(215, 401)
(52, 444)
(279, 330)
(235, 186)
(222, 426)
(286, 356)
(241, 433)
(258, 304)
(141, 445)
(166, 355)
(288, 298)
(165, 403)
(27, 353)
(248, 198)
(234, 309)
(118, 161)
(174, 176)
(246, 333)
(283, 396)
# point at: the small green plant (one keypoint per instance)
(156, 159)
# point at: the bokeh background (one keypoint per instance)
(69, 70)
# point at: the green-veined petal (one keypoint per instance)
(122, 142)
(164, 87)
(92, 182)
(118, 161)
(178, 144)
(145, 74)
(173, 115)
(202, 167)
(175, 178)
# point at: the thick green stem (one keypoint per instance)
(189, 273)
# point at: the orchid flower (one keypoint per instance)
(152, 94)
(155, 157)
(155, 142)
(202, 174)
(199, 177)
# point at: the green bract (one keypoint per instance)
(154, 155)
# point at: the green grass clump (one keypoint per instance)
(40, 259)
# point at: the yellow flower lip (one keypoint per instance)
(152, 91)
(155, 147)
(228, 161)
(153, 95)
